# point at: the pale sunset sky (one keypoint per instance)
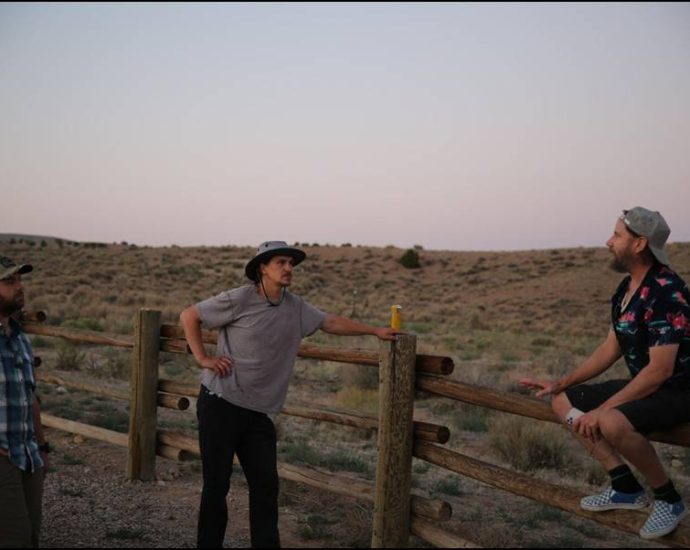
(455, 126)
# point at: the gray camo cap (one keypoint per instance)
(652, 226)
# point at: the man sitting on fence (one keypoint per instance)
(23, 459)
(651, 329)
(261, 326)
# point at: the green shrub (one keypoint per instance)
(410, 259)
(471, 418)
(300, 452)
(40, 342)
(449, 486)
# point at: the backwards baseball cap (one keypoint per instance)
(9, 268)
(266, 251)
(650, 225)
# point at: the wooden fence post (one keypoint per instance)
(143, 403)
(391, 527)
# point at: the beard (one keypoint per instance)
(621, 263)
(13, 305)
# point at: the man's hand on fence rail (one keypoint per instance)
(386, 333)
(544, 388)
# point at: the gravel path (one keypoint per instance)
(88, 503)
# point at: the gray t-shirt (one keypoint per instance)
(263, 342)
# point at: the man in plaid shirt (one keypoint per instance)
(23, 459)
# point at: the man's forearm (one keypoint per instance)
(601, 360)
(192, 332)
(334, 324)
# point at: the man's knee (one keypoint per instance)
(615, 427)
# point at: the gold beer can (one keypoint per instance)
(396, 317)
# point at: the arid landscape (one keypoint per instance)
(499, 315)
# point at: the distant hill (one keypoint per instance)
(498, 305)
(19, 237)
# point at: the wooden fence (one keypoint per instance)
(397, 511)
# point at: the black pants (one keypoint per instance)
(225, 430)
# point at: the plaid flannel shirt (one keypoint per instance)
(17, 434)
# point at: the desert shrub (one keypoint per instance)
(111, 419)
(542, 342)
(356, 398)
(478, 323)
(69, 357)
(471, 418)
(110, 363)
(410, 259)
(118, 363)
(528, 445)
(343, 459)
(316, 527)
(41, 342)
(360, 376)
(84, 324)
(448, 486)
(298, 451)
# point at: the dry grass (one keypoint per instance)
(499, 315)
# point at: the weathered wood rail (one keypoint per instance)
(397, 510)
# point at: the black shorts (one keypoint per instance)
(665, 408)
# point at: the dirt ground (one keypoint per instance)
(88, 503)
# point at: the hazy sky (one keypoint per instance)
(452, 126)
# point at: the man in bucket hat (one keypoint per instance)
(23, 459)
(260, 327)
(650, 315)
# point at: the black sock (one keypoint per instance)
(667, 492)
(623, 480)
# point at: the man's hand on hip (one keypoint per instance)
(221, 365)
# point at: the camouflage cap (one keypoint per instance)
(9, 268)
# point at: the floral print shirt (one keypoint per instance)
(658, 314)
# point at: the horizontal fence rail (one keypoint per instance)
(166, 400)
(524, 485)
(344, 417)
(177, 344)
(521, 405)
(424, 363)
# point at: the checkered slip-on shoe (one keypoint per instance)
(614, 500)
(664, 518)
